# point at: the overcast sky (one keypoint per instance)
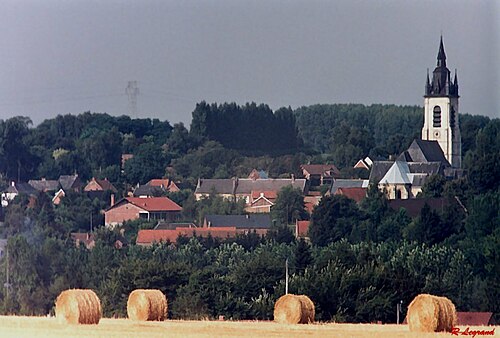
(59, 57)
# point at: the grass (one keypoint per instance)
(11, 326)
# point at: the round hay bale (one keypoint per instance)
(293, 309)
(308, 310)
(145, 304)
(78, 306)
(428, 313)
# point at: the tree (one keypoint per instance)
(303, 256)
(148, 162)
(289, 206)
(333, 219)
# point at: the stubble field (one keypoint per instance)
(124, 328)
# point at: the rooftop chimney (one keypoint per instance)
(112, 200)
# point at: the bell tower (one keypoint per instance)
(441, 111)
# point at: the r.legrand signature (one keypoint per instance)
(468, 332)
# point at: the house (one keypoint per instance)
(365, 163)
(150, 237)
(414, 206)
(157, 187)
(354, 193)
(312, 200)
(302, 229)
(246, 188)
(258, 174)
(165, 184)
(96, 184)
(15, 189)
(320, 174)
(261, 201)
(132, 208)
(44, 185)
(260, 223)
(58, 196)
(85, 238)
(347, 183)
(70, 183)
(475, 318)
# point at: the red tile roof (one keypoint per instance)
(356, 194)
(154, 203)
(474, 318)
(267, 194)
(159, 182)
(301, 228)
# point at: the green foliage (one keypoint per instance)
(333, 219)
(250, 128)
(289, 206)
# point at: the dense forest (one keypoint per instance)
(361, 260)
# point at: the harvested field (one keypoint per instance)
(50, 327)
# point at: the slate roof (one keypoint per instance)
(219, 186)
(69, 182)
(321, 169)
(245, 186)
(348, 183)
(413, 206)
(397, 174)
(424, 151)
(21, 188)
(253, 221)
(148, 190)
(379, 169)
(44, 185)
(172, 226)
(106, 185)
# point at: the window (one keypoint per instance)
(452, 118)
(398, 194)
(436, 122)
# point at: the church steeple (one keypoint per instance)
(441, 84)
(441, 120)
(441, 59)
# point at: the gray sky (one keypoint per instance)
(59, 57)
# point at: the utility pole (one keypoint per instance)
(286, 276)
(398, 310)
(132, 91)
(7, 284)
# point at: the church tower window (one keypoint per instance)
(436, 120)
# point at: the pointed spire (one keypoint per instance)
(455, 82)
(441, 58)
(427, 84)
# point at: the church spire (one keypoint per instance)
(441, 58)
(455, 82)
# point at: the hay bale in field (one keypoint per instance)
(428, 313)
(294, 309)
(147, 305)
(78, 306)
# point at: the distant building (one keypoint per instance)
(96, 184)
(260, 223)
(132, 208)
(320, 174)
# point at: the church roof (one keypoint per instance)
(397, 174)
(424, 151)
(441, 84)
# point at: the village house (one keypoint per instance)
(15, 189)
(259, 194)
(132, 208)
(320, 174)
(157, 187)
(150, 237)
(258, 223)
(96, 184)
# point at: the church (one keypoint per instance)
(439, 151)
